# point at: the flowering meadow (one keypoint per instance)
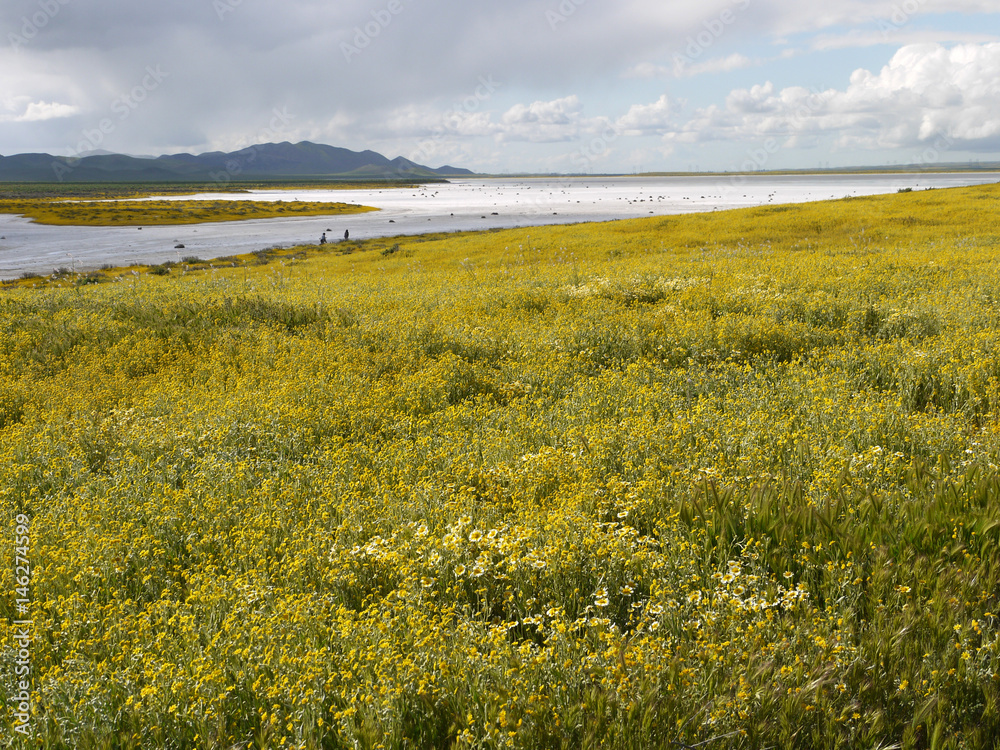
(161, 212)
(724, 480)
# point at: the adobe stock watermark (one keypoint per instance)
(583, 159)
(932, 154)
(929, 158)
(236, 166)
(20, 698)
(597, 147)
(33, 24)
(365, 34)
(123, 106)
(714, 28)
(758, 157)
(902, 14)
(561, 13)
(473, 103)
(223, 8)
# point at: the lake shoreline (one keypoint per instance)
(467, 204)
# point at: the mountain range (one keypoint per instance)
(269, 161)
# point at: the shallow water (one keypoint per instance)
(466, 204)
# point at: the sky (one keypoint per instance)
(551, 86)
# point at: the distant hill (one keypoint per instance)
(269, 161)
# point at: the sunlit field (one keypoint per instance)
(723, 480)
(163, 212)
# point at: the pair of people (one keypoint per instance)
(322, 239)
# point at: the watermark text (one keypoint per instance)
(33, 24)
(20, 697)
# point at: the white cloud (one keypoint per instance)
(735, 61)
(683, 68)
(38, 111)
(759, 100)
(898, 37)
(427, 121)
(925, 92)
(646, 118)
(538, 122)
(791, 17)
(416, 68)
(542, 122)
(648, 70)
(48, 111)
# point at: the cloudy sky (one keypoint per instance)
(518, 85)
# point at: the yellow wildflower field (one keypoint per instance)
(132, 213)
(720, 480)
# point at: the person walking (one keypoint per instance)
(322, 239)
(346, 234)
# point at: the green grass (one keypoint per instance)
(724, 480)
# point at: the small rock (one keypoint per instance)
(178, 247)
